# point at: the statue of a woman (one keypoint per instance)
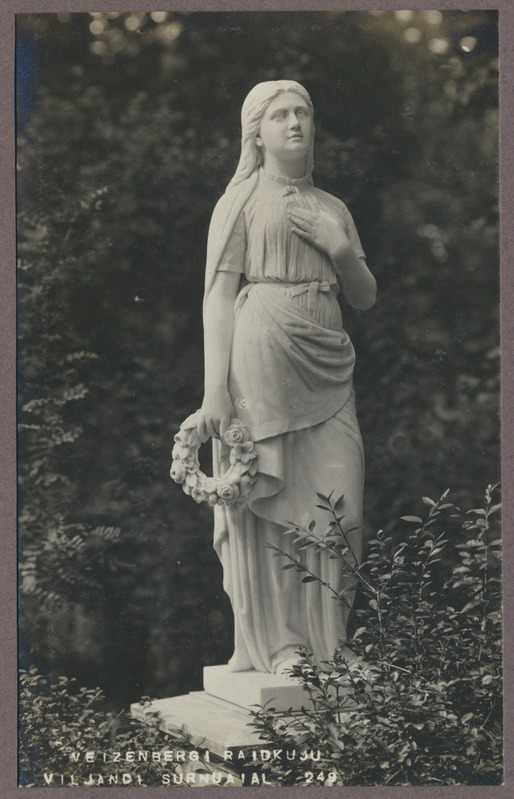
(277, 357)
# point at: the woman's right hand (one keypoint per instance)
(215, 414)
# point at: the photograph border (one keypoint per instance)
(8, 647)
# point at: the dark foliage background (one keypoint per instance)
(128, 131)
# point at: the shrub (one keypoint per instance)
(417, 698)
(60, 723)
(104, 541)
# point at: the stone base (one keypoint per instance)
(250, 688)
(219, 717)
(212, 723)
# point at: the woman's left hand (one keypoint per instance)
(320, 228)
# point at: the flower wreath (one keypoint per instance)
(233, 487)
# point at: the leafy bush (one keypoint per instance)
(67, 738)
(414, 699)
(103, 539)
(417, 699)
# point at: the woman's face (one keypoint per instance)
(286, 129)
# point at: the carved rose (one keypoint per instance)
(178, 473)
(236, 434)
(229, 493)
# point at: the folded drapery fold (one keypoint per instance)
(287, 371)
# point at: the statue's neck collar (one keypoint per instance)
(282, 179)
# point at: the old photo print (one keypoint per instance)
(128, 131)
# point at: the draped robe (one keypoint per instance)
(290, 382)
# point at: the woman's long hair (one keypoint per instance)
(254, 106)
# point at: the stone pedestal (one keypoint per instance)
(212, 723)
(250, 688)
(219, 717)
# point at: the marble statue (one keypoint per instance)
(277, 357)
